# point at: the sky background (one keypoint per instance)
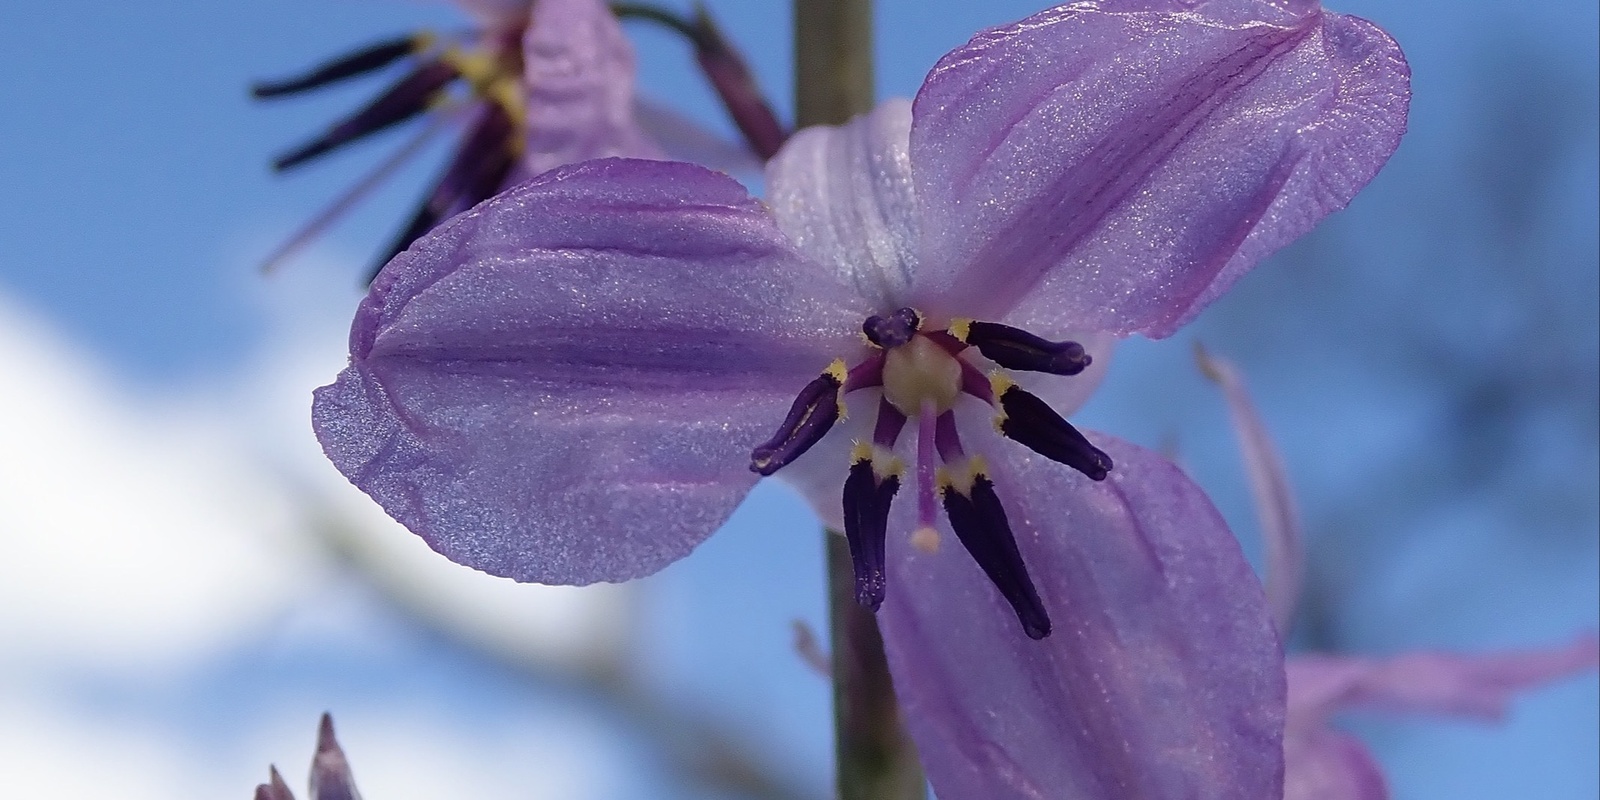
(185, 585)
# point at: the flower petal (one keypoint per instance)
(1162, 678)
(1438, 683)
(496, 13)
(1116, 171)
(1269, 486)
(578, 78)
(563, 385)
(683, 139)
(1325, 764)
(844, 195)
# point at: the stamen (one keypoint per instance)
(314, 228)
(948, 440)
(865, 375)
(867, 496)
(724, 69)
(980, 523)
(886, 431)
(480, 165)
(1026, 419)
(1014, 348)
(813, 413)
(976, 383)
(889, 331)
(405, 99)
(360, 62)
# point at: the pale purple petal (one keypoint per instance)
(1269, 484)
(578, 81)
(1479, 686)
(1116, 171)
(844, 195)
(683, 139)
(1325, 764)
(1162, 678)
(563, 385)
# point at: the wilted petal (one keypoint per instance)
(578, 77)
(1269, 484)
(563, 385)
(1116, 170)
(1437, 683)
(844, 195)
(330, 771)
(1325, 764)
(1162, 677)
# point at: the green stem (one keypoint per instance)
(876, 758)
(832, 60)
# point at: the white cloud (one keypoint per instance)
(123, 538)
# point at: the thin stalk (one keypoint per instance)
(876, 758)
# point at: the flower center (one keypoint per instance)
(920, 375)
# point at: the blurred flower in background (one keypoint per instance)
(1322, 762)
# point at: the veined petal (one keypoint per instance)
(563, 385)
(1162, 677)
(844, 195)
(1438, 683)
(1116, 170)
(578, 71)
(1325, 764)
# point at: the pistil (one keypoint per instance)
(921, 375)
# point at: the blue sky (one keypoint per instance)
(1428, 360)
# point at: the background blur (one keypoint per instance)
(185, 584)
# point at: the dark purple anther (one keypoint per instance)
(1034, 424)
(980, 523)
(480, 165)
(1014, 348)
(866, 527)
(813, 413)
(889, 331)
(406, 99)
(745, 102)
(360, 62)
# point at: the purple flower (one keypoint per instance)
(565, 384)
(330, 772)
(543, 89)
(1324, 763)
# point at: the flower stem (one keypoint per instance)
(832, 60)
(876, 757)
